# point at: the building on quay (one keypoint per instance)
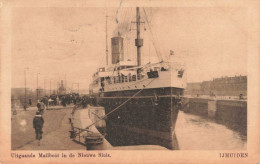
(224, 86)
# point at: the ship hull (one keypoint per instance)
(149, 118)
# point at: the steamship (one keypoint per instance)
(141, 101)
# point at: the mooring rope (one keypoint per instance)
(119, 105)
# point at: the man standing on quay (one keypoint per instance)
(38, 122)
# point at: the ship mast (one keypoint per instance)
(138, 40)
(106, 43)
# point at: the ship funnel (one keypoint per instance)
(117, 44)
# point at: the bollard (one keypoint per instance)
(72, 134)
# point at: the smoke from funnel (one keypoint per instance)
(122, 28)
(124, 16)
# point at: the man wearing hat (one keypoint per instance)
(38, 122)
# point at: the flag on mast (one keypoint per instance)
(171, 52)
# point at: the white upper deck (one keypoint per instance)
(123, 77)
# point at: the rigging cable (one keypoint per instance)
(164, 53)
(157, 51)
(161, 49)
(149, 50)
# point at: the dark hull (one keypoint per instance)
(147, 119)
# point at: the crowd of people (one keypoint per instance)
(67, 99)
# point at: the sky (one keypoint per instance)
(70, 43)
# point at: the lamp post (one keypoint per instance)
(54, 86)
(44, 87)
(25, 94)
(50, 86)
(37, 85)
